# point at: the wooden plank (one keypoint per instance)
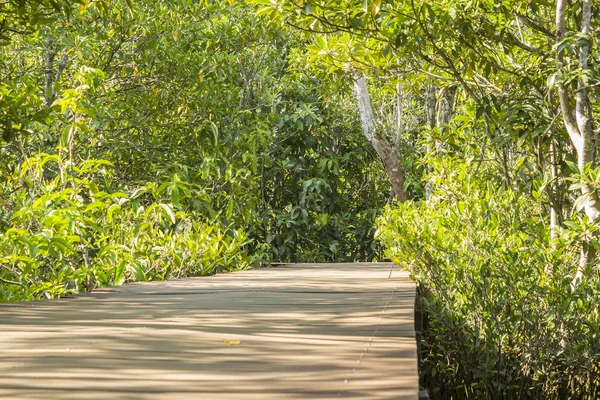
(305, 331)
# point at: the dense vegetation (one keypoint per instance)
(172, 138)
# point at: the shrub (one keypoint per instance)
(502, 319)
(66, 230)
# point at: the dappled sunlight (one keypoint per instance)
(304, 331)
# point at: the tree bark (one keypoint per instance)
(553, 188)
(554, 210)
(49, 72)
(399, 117)
(387, 151)
(430, 103)
(578, 122)
(445, 109)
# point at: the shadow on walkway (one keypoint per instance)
(297, 332)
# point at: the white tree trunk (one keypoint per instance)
(578, 122)
(387, 151)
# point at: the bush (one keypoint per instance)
(65, 230)
(502, 319)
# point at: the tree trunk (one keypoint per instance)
(430, 103)
(49, 72)
(553, 188)
(579, 122)
(554, 207)
(445, 109)
(387, 151)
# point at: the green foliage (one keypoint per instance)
(321, 183)
(71, 231)
(23, 17)
(159, 139)
(503, 320)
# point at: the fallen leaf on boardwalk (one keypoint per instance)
(232, 342)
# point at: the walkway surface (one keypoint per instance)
(304, 331)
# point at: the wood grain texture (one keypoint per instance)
(303, 331)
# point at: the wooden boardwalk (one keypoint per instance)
(304, 331)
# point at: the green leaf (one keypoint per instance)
(168, 211)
